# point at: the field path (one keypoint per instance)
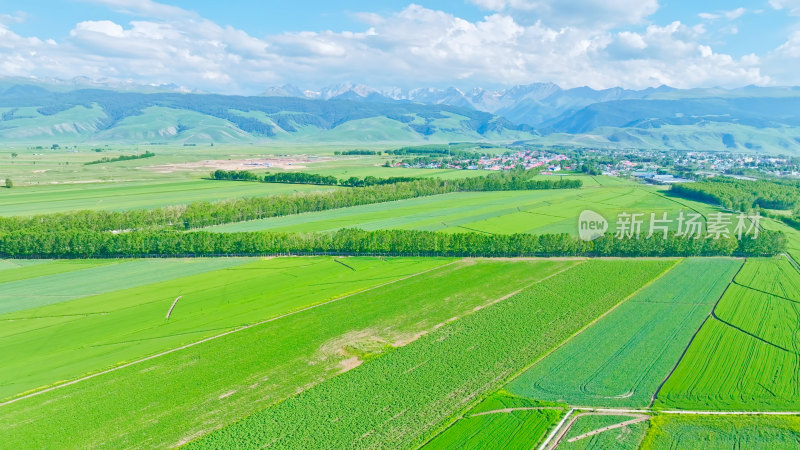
(563, 427)
(637, 419)
(217, 336)
(623, 411)
(510, 410)
(555, 436)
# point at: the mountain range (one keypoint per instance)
(746, 119)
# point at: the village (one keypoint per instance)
(659, 167)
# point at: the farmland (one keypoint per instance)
(514, 429)
(132, 195)
(272, 361)
(629, 437)
(746, 356)
(324, 351)
(103, 329)
(669, 431)
(504, 420)
(623, 359)
(486, 212)
(438, 377)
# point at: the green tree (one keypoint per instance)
(9, 183)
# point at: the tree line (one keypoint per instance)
(202, 214)
(742, 195)
(79, 243)
(307, 178)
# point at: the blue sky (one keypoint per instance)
(245, 45)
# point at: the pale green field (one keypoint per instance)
(625, 438)
(622, 360)
(176, 397)
(727, 432)
(134, 195)
(47, 181)
(58, 281)
(97, 330)
(548, 211)
(745, 357)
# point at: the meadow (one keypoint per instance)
(185, 394)
(409, 395)
(621, 360)
(709, 432)
(745, 357)
(102, 330)
(505, 212)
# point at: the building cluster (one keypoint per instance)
(529, 159)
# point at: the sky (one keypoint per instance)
(246, 46)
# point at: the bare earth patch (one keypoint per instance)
(350, 363)
(226, 395)
(278, 162)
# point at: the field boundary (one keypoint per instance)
(696, 332)
(456, 417)
(546, 444)
(217, 336)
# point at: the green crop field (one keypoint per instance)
(199, 389)
(502, 430)
(404, 397)
(59, 281)
(623, 359)
(215, 295)
(628, 437)
(133, 195)
(762, 432)
(746, 356)
(551, 211)
(501, 421)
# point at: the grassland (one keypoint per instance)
(747, 356)
(622, 360)
(187, 393)
(554, 211)
(101, 330)
(628, 437)
(670, 431)
(405, 397)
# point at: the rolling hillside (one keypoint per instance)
(35, 114)
(749, 119)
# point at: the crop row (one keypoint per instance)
(399, 399)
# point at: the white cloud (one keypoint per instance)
(735, 14)
(732, 14)
(145, 8)
(17, 17)
(415, 46)
(709, 16)
(791, 6)
(594, 13)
